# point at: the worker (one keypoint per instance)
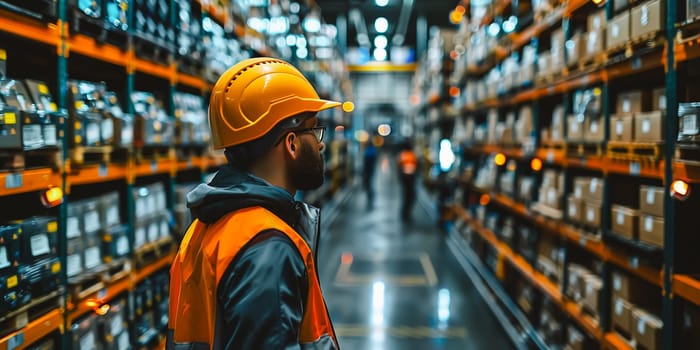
(245, 276)
(407, 168)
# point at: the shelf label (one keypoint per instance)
(550, 156)
(636, 63)
(635, 169)
(583, 240)
(16, 341)
(102, 293)
(13, 180)
(634, 262)
(102, 170)
(154, 166)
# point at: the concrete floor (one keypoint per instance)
(394, 285)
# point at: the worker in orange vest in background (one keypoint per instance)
(408, 169)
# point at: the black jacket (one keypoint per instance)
(262, 295)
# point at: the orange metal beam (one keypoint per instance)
(539, 280)
(30, 29)
(95, 174)
(78, 308)
(150, 269)
(87, 46)
(32, 180)
(36, 329)
(613, 341)
(687, 170)
(155, 69)
(192, 81)
(688, 287)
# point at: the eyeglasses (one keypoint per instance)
(318, 131)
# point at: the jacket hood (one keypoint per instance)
(231, 189)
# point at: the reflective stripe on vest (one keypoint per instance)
(205, 254)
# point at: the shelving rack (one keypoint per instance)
(671, 269)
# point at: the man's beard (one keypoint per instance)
(306, 172)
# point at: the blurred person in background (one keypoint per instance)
(407, 164)
(245, 275)
(369, 165)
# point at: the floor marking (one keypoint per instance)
(427, 278)
(363, 330)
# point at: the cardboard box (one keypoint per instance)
(39, 239)
(594, 130)
(691, 326)
(115, 243)
(651, 230)
(10, 129)
(91, 217)
(620, 4)
(623, 287)
(692, 9)
(647, 18)
(581, 186)
(625, 221)
(591, 214)
(597, 20)
(622, 317)
(557, 49)
(649, 127)
(658, 99)
(575, 340)
(651, 200)
(618, 30)
(629, 102)
(574, 129)
(573, 49)
(544, 66)
(595, 190)
(622, 127)
(594, 42)
(109, 209)
(574, 208)
(646, 329)
(74, 259)
(591, 294)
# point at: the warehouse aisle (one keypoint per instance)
(391, 285)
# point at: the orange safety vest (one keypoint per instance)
(204, 255)
(408, 162)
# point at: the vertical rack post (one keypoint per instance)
(62, 101)
(669, 203)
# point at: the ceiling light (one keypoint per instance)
(510, 24)
(291, 40)
(379, 54)
(381, 25)
(381, 3)
(494, 29)
(312, 24)
(380, 42)
(302, 52)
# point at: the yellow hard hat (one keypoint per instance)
(254, 95)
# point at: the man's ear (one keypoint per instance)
(290, 144)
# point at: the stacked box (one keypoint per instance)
(14, 288)
(115, 243)
(587, 199)
(647, 18)
(649, 127)
(625, 221)
(646, 329)
(112, 325)
(622, 316)
(83, 332)
(651, 219)
(40, 265)
(622, 127)
(618, 30)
